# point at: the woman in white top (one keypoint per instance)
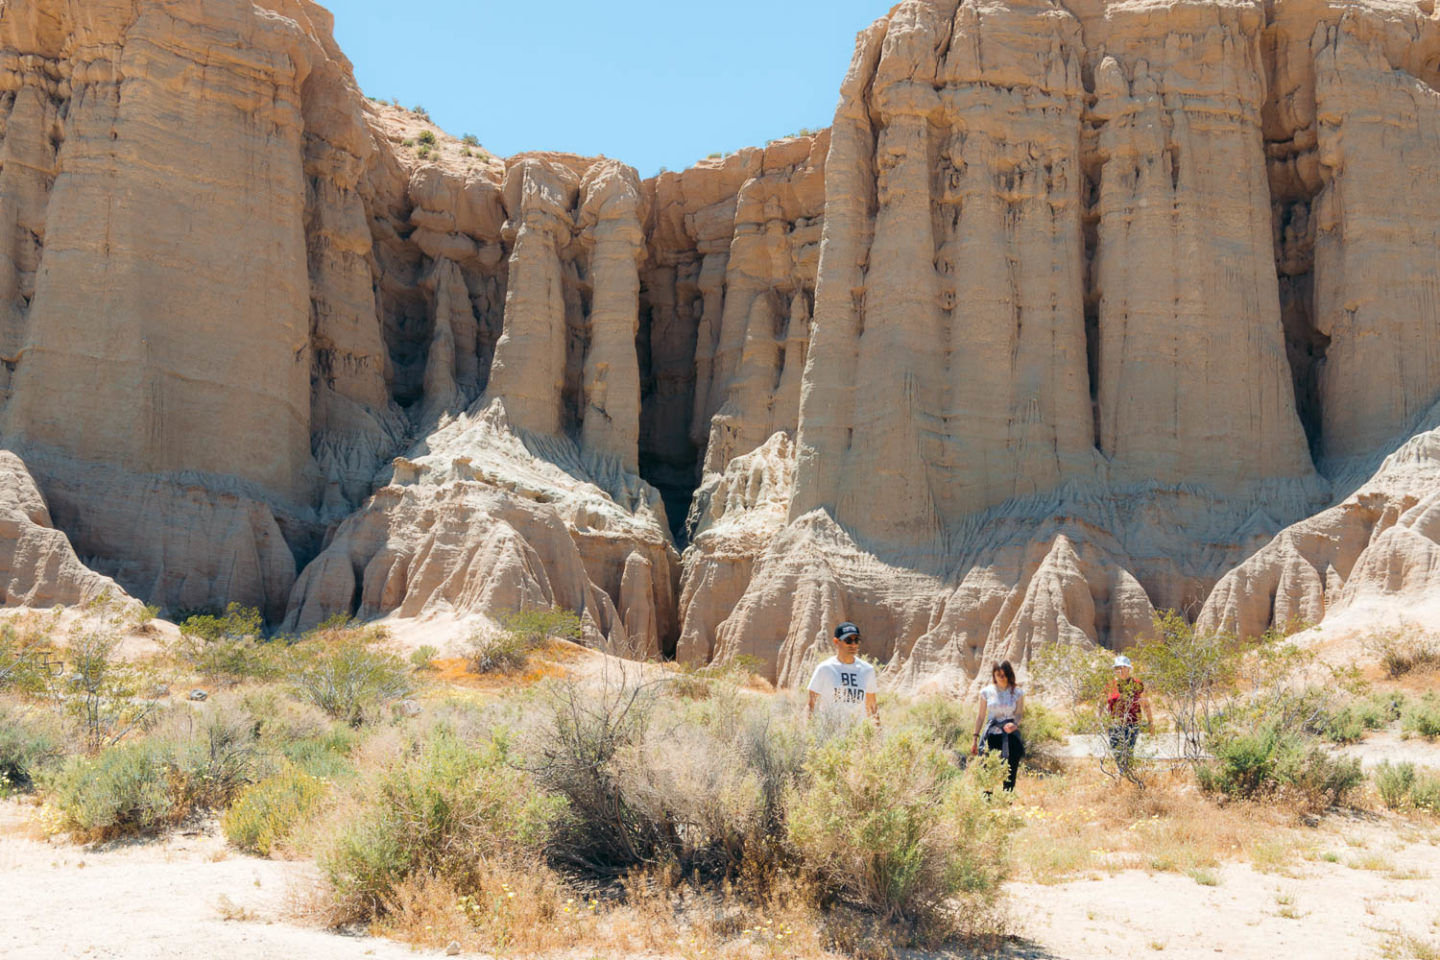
(1002, 707)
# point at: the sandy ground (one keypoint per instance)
(157, 900)
(169, 899)
(1381, 885)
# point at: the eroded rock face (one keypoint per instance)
(1078, 310)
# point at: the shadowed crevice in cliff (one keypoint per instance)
(669, 460)
(1295, 179)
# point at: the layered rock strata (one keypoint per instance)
(1077, 310)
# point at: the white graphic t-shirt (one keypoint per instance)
(842, 687)
(1000, 704)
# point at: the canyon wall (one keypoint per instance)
(1077, 310)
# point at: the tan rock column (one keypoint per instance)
(1377, 248)
(528, 372)
(610, 225)
(1194, 384)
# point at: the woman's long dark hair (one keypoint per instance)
(1004, 667)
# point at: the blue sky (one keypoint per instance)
(651, 82)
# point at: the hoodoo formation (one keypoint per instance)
(1079, 310)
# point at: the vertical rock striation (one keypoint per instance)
(1050, 329)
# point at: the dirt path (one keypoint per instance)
(1380, 885)
(155, 901)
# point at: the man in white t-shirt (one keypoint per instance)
(844, 686)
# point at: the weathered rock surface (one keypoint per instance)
(38, 567)
(1079, 310)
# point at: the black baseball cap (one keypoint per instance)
(846, 629)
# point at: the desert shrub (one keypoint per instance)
(1190, 672)
(601, 833)
(1266, 761)
(1425, 795)
(423, 151)
(423, 658)
(228, 648)
(443, 813)
(1422, 717)
(1405, 650)
(498, 652)
(942, 720)
(1044, 734)
(189, 765)
(107, 697)
(1394, 782)
(698, 682)
(407, 142)
(470, 140)
(1345, 726)
(126, 789)
(347, 679)
(266, 813)
(31, 739)
(326, 756)
(1075, 675)
(427, 137)
(521, 633)
(887, 822)
(420, 112)
(26, 657)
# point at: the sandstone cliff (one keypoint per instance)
(1078, 310)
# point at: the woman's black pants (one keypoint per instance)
(1013, 751)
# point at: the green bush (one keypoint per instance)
(1044, 733)
(228, 648)
(347, 679)
(1266, 761)
(107, 697)
(423, 658)
(1422, 717)
(143, 786)
(470, 140)
(124, 790)
(30, 740)
(25, 655)
(427, 137)
(420, 112)
(1426, 794)
(442, 813)
(887, 822)
(1394, 782)
(508, 650)
(266, 813)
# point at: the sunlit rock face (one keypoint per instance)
(1077, 311)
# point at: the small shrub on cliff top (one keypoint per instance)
(420, 112)
(470, 140)
(427, 137)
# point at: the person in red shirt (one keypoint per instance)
(1125, 701)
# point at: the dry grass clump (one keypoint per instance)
(1409, 649)
(1084, 823)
